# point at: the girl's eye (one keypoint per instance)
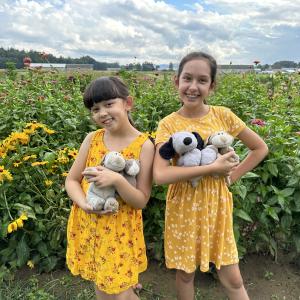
(109, 104)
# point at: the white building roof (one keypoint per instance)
(43, 65)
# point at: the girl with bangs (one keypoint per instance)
(105, 247)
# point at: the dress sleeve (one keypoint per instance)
(233, 124)
(163, 133)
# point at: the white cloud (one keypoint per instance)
(119, 30)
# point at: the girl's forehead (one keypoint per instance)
(196, 66)
(103, 102)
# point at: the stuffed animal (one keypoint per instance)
(104, 198)
(188, 146)
(221, 142)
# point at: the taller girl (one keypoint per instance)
(198, 227)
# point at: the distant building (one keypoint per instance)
(48, 66)
(113, 69)
(63, 67)
(235, 68)
(84, 67)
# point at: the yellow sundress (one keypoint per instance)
(198, 221)
(110, 249)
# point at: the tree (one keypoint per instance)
(171, 68)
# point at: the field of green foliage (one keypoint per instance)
(43, 122)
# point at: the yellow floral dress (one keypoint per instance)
(198, 221)
(110, 249)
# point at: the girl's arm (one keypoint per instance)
(74, 178)
(138, 196)
(258, 150)
(164, 173)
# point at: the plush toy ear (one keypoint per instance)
(167, 151)
(200, 142)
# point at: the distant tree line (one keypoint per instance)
(16, 56)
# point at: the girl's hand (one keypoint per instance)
(89, 209)
(102, 177)
(223, 165)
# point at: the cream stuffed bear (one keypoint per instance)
(188, 146)
(220, 142)
(104, 198)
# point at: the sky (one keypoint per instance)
(132, 31)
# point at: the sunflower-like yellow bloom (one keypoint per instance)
(39, 163)
(30, 264)
(48, 182)
(5, 174)
(18, 223)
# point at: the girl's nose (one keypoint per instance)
(193, 85)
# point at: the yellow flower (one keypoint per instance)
(153, 134)
(16, 164)
(20, 223)
(39, 163)
(5, 174)
(30, 264)
(49, 131)
(73, 153)
(28, 157)
(23, 217)
(12, 227)
(63, 159)
(64, 174)
(48, 182)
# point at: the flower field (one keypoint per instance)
(43, 122)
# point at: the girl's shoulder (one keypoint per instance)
(169, 118)
(218, 109)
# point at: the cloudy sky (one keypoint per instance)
(237, 31)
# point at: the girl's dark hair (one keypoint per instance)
(104, 88)
(200, 55)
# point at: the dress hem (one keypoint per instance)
(107, 291)
(218, 266)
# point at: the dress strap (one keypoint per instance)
(136, 146)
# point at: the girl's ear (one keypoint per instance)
(167, 151)
(129, 103)
(212, 86)
(200, 142)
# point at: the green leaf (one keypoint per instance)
(23, 252)
(273, 169)
(242, 191)
(272, 213)
(286, 221)
(250, 175)
(243, 215)
(43, 249)
(50, 157)
(26, 209)
(287, 192)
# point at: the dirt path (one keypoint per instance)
(264, 279)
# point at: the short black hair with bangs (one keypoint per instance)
(104, 88)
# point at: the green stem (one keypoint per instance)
(6, 204)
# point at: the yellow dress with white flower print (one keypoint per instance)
(198, 221)
(110, 249)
